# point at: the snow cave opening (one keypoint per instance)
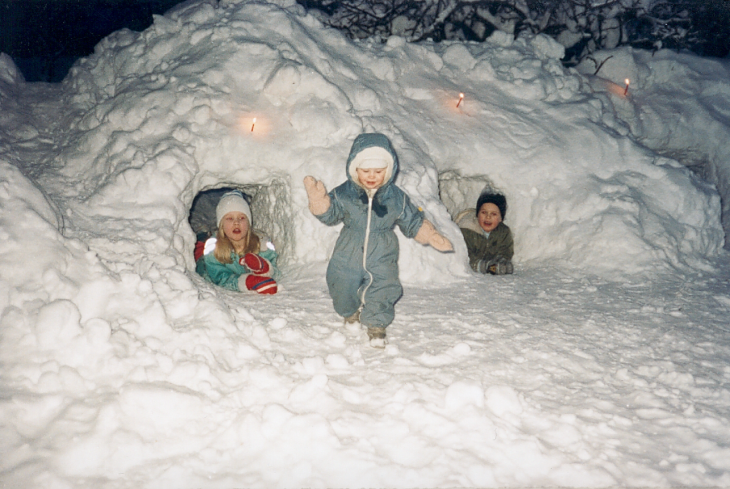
(706, 168)
(459, 192)
(269, 207)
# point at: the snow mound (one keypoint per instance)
(156, 117)
(122, 368)
(679, 107)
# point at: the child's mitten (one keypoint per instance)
(257, 264)
(198, 250)
(496, 266)
(501, 266)
(319, 201)
(258, 284)
(427, 234)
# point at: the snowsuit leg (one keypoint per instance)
(344, 281)
(382, 294)
(347, 281)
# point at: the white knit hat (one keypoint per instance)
(232, 202)
(372, 157)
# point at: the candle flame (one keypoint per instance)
(626, 90)
(253, 124)
(461, 97)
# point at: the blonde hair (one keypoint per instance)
(223, 245)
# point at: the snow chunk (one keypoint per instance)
(462, 393)
(58, 324)
(9, 73)
(546, 47)
(502, 400)
(458, 55)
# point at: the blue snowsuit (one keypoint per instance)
(368, 280)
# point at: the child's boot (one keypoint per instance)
(354, 318)
(352, 322)
(377, 337)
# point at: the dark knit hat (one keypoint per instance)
(492, 198)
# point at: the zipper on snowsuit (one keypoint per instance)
(365, 250)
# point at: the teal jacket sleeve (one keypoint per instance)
(226, 274)
(223, 274)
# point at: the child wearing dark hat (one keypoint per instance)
(239, 261)
(488, 240)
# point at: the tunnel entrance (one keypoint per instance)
(708, 170)
(458, 192)
(270, 209)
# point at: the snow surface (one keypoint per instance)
(604, 360)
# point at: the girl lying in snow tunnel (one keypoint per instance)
(488, 240)
(362, 275)
(238, 258)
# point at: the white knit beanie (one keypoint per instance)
(372, 157)
(232, 202)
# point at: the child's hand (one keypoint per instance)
(314, 187)
(441, 243)
(319, 201)
(258, 284)
(257, 264)
(496, 266)
(428, 235)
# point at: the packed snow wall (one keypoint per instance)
(259, 95)
(678, 105)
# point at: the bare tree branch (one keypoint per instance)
(582, 26)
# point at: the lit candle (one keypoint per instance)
(626, 90)
(254, 123)
(461, 97)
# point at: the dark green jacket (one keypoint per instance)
(499, 242)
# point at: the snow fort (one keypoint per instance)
(602, 361)
(258, 95)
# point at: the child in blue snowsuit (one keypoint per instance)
(362, 275)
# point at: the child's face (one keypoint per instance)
(371, 178)
(489, 217)
(235, 226)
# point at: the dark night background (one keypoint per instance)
(45, 37)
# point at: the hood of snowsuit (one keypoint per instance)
(369, 140)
